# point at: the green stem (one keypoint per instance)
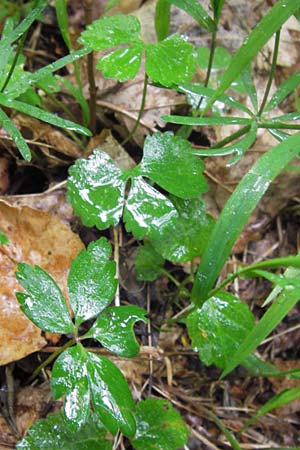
(272, 72)
(88, 4)
(50, 359)
(142, 107)
(14, 63)
(210, 62)
(232, 137)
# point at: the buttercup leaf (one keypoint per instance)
(122, 64)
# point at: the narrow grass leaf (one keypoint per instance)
(206, 121)
(15, 134)
(194, 9)
(283, 91)
(237, 212)
(285, 117)
(274, 315)
(249, 86)
(283, 398)
(162, 19)
(278, 280)
(258, 37)
(63, 21)
(290, 272)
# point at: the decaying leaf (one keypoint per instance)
(36, 238)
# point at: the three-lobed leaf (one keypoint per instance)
(91, 282)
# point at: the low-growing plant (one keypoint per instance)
(161, 200)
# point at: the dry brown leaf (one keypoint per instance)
(36, 238)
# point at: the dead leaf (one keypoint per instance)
(36, 238)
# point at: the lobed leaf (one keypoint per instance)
(171, 61)
(70, 379)
(169, 162)
(218, 328)
(159, 426)
(187, 236)
(148, 262)
(114, 329)
(43, 303)
(147, 211)
(53, 433)
(91, 282)
(96, 188)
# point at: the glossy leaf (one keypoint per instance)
(53, 433)
(111, 397)
(111, 31)
(171, 61)
(122, 64)
(91, 282)
(96, 189)
(147, 211)
(259, 36)
(114, 329)
(70, 379)
(278, 280)
(43, 115)
(148, 262)
(194, 9)
(159, 426)
(283, 91)
(43, 302)
(290, 272)
(162, 19)
(169, 162)
(15, 134)
(237, 211)
(218, 328)
(187, 236)
(274, 315)
(210, 121)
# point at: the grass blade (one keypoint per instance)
(283, 91)
(162, 19)
(17, 137)
(200, 121)
(194, 9)
(237, 212)
(260, 35)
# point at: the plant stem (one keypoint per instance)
(231, 138)
(88, 4)
(50, 359)
(142, 107)
(210, 62)
(279, 125)
(272, 72)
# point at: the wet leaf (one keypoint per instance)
(169, 162)
(171, 61)
(218, 328)
(111, 31)
(162, 19)
(91, 282)
(186, 237)
(53, 433)
(96, 190)
(70, 379)
(111, 397)
(17, 137)
(283, 91)
(114, 329)
(194, 9)
(147, 211)
(148, 262)
(43, 302)
(123, 63)
(159, 426)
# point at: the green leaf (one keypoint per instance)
(122, 64)
(187, 236)
(274, 315)
(217, 6)
(43, 115)
(194, 9)
(53, 433)
(237, 211)
(259, 36)
(283, 91)
(96, 189)
(171, 61)
(278, 280)
(290, 272)
(162, 19)
(169, 162)
(111, 31)
(3, 238)
(148, 262)
(221, 59)
(43, 303)
(283, 398)
(201, 121)
(159, 426)
(91, 282)
(17, 137)
(114, 329)
(70, 379)
(63, 21)
(218, 328)
(147, 211)
(249, 86)
(111, 397)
